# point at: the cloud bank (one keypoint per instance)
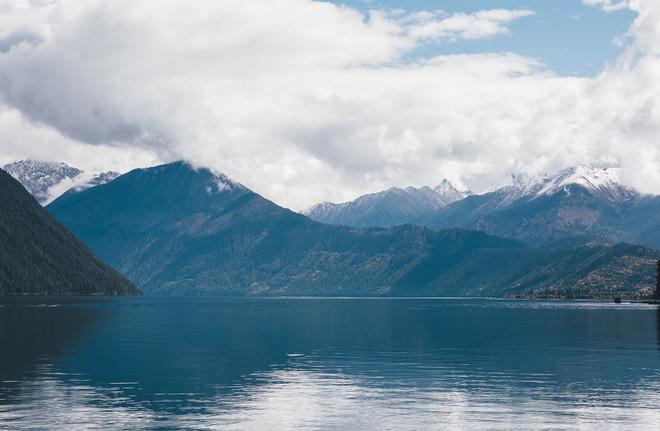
(306, 101)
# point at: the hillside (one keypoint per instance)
(175, 230)
(40, 256)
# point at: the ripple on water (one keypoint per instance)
(308, 365)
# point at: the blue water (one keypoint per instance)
(327, 364)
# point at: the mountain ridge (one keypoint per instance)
(48, 180)
(391, 207)
(175, 230)
(575, 202)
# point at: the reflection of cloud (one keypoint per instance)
(297, 399)
(325, 398)
(52, 404)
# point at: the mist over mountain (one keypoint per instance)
(392, 207)
(39, 256)
(175, 230)
(47, 180)
(577, 202)
(39, 177)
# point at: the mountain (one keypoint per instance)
(40, 256)
(449, 193)
(39, 177)
(47, 180)
(392, 207)
(83, 182)
(175, 230)
(580, 204)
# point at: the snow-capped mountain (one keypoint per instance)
(449, 193)
(604, 182)
(577, 202)
(39, 177)
(391, 207)
(48, 180)
(176, 230)
(80, 183)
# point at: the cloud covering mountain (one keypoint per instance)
(174, 230)
(48, 180)
(310, 101)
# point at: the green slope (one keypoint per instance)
(40, 256)
(174, 230)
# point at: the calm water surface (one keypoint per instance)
(327, 364)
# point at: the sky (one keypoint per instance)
(306, 101)
(565, 35)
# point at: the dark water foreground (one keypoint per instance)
(327, 364)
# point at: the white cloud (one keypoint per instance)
(21, 138)
(426, 26)
(608, 5)
(307, 101)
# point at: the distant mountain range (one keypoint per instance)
(175, 230)
(392, 207)
(575, 205)
(578, 204)
(47, 180)
(40, 256)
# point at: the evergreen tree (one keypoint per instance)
(39, 256)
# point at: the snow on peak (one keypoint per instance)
(583, 175)
(451, 193)
(320, 207)
(82, 182)
(602, 181)
(48, 180)
(39, 177)
(222, 183)
(388, 207)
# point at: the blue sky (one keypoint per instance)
(567, 36)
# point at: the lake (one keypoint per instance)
(327, 364)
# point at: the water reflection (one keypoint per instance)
(333, 364)
(657, 320)
(31, 331)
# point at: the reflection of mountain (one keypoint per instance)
(205, 347)
(35, 332)
(192, 363)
